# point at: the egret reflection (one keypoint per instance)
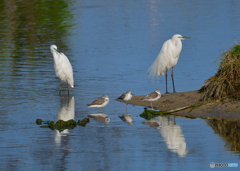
(100, 117)
(127, 117)
(65, 113)
(172, 134)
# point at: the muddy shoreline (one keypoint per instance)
(226, 108)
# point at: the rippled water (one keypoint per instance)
(111, 45)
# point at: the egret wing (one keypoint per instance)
(67, 69)
(159, 67)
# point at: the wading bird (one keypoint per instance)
(126, 97)
(154, 96)
(167, 58)
(100, 102)
(63, 68)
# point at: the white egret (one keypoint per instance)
(62, 66)
(100, 102)
(167, 58)
(153, 96)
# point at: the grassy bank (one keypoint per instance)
(226, 82)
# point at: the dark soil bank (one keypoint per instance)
(225, 108)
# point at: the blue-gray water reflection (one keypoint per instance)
(65, 113)
(100, 117)
(171, 133)
(126, 117)
(111, 45)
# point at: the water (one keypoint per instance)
(111, 45)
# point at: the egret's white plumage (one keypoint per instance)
(62, 66)
(167, 58)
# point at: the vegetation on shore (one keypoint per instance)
(226, 82)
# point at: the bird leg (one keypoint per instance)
(100, 109)
(173, 82)
(126, 107)
(60, 90)
(151, 105)
(68, 90)
(166, 83)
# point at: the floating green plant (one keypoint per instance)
(149, 114)
(39, 121)
(61, 125)
(83, 122)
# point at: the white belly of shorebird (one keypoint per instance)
(127, 97)
(100, 106)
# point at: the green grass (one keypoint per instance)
(226, 82)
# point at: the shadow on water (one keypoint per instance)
(229, 130)
(172, 134)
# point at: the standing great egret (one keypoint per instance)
(168, 57)
(62, 66)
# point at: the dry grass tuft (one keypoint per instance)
(226, 82)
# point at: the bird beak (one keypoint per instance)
(183, 37)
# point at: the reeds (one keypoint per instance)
(226, 82)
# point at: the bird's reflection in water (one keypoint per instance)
(172, 134)
(100, 117)
(65, 113)
(127, 117)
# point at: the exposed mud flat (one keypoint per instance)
(225, 108)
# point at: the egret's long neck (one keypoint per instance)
(55, 56)
(178, 46)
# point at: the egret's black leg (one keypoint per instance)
(60, 90)
(173, 82)
(166, 83)
(68, 90)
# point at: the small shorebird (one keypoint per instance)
(100, 102)
(154, 96)
(126, 97)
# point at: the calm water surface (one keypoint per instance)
(111, 45)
